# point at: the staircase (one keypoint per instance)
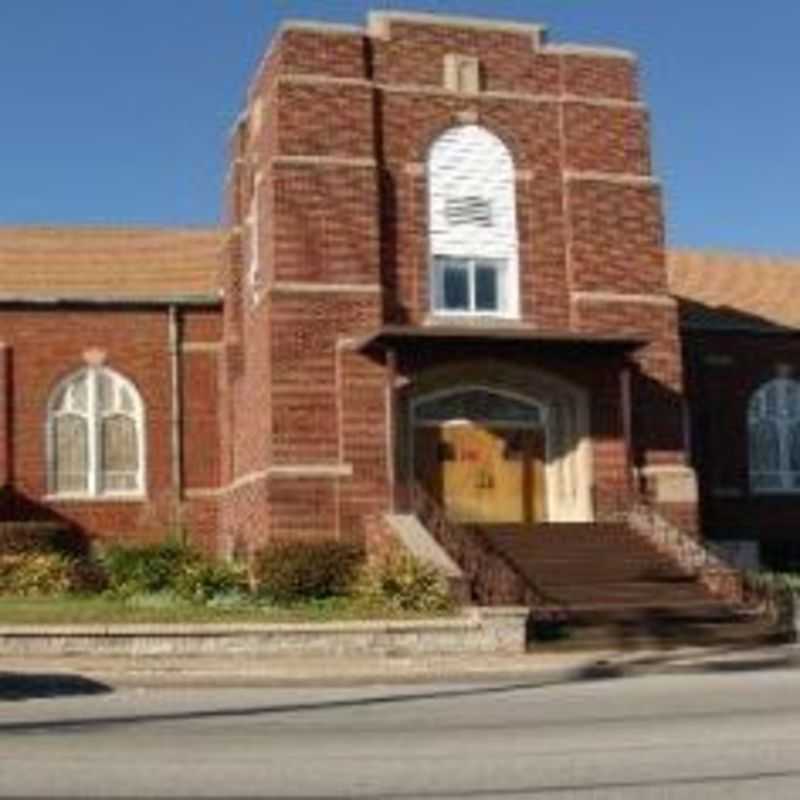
(639, 579)
(608, 581)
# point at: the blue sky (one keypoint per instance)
(117, 111)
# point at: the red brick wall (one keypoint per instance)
(347, 122)
(44, 346)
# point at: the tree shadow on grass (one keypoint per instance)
(18, 686)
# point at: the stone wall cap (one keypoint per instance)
(316, 26)
(379, 23)
(460, 622)
(589, 50)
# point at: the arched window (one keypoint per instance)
(478, 405)
(95, 436)
(774, 435)
(472, 224)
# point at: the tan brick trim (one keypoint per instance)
(622, 297)
(303, 78)
(348, 343)
(439, 91)
(308, 287)
(201, 347)
(290, 471)
(202, 494)
(285, 471)
(665, 469)
(623, 179)
(379, 24)
(604, 102)
(246, 480)
(323, 161)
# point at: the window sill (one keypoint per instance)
(466, 318)
(85, 499)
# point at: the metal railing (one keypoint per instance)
(492, 577)
(703, 560)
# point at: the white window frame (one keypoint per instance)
(470, 164)
(784, 422)
(470, 265)
(94, 417)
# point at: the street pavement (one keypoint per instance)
(731, 730)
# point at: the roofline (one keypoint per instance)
(196, 300)
(751, 330)
(89, 227)
(397, 333)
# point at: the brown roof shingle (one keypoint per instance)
(735, 290)
(109, 263)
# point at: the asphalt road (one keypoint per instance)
(731, 735)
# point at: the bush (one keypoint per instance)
(87, 577)
(201, 580)
(775, 582)
(35, 574)
(290, 570)
(144, 569)
(404, 583)
(168, 568)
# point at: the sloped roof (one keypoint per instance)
(722, 290)
(109, 263)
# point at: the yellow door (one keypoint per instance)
(483, 474)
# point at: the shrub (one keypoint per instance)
(144, 569)
(290, 570)
(201, 580)
(87, 577)
(35, 574)
(404, 583)
(168, 568)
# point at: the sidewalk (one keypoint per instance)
(540, 668)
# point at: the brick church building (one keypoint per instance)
(442, 275)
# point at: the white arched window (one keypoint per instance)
(472, 224)
(95, 436)
(774, 437)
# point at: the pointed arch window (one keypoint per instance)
(774, 437)
(95, 436)
(472, 224)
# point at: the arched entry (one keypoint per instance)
(482, 454)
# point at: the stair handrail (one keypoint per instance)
(698, 558)
(493, 578)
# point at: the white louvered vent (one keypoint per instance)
(468, 211)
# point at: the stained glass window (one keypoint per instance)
(95, 436)
(774, 437)
(478, 405)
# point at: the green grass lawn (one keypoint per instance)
(107, 610)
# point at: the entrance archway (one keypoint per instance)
(516, 450)
(481, 455)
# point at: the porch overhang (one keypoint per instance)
(399, 337)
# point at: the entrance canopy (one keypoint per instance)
(397, 336)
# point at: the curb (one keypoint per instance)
(526, 671)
